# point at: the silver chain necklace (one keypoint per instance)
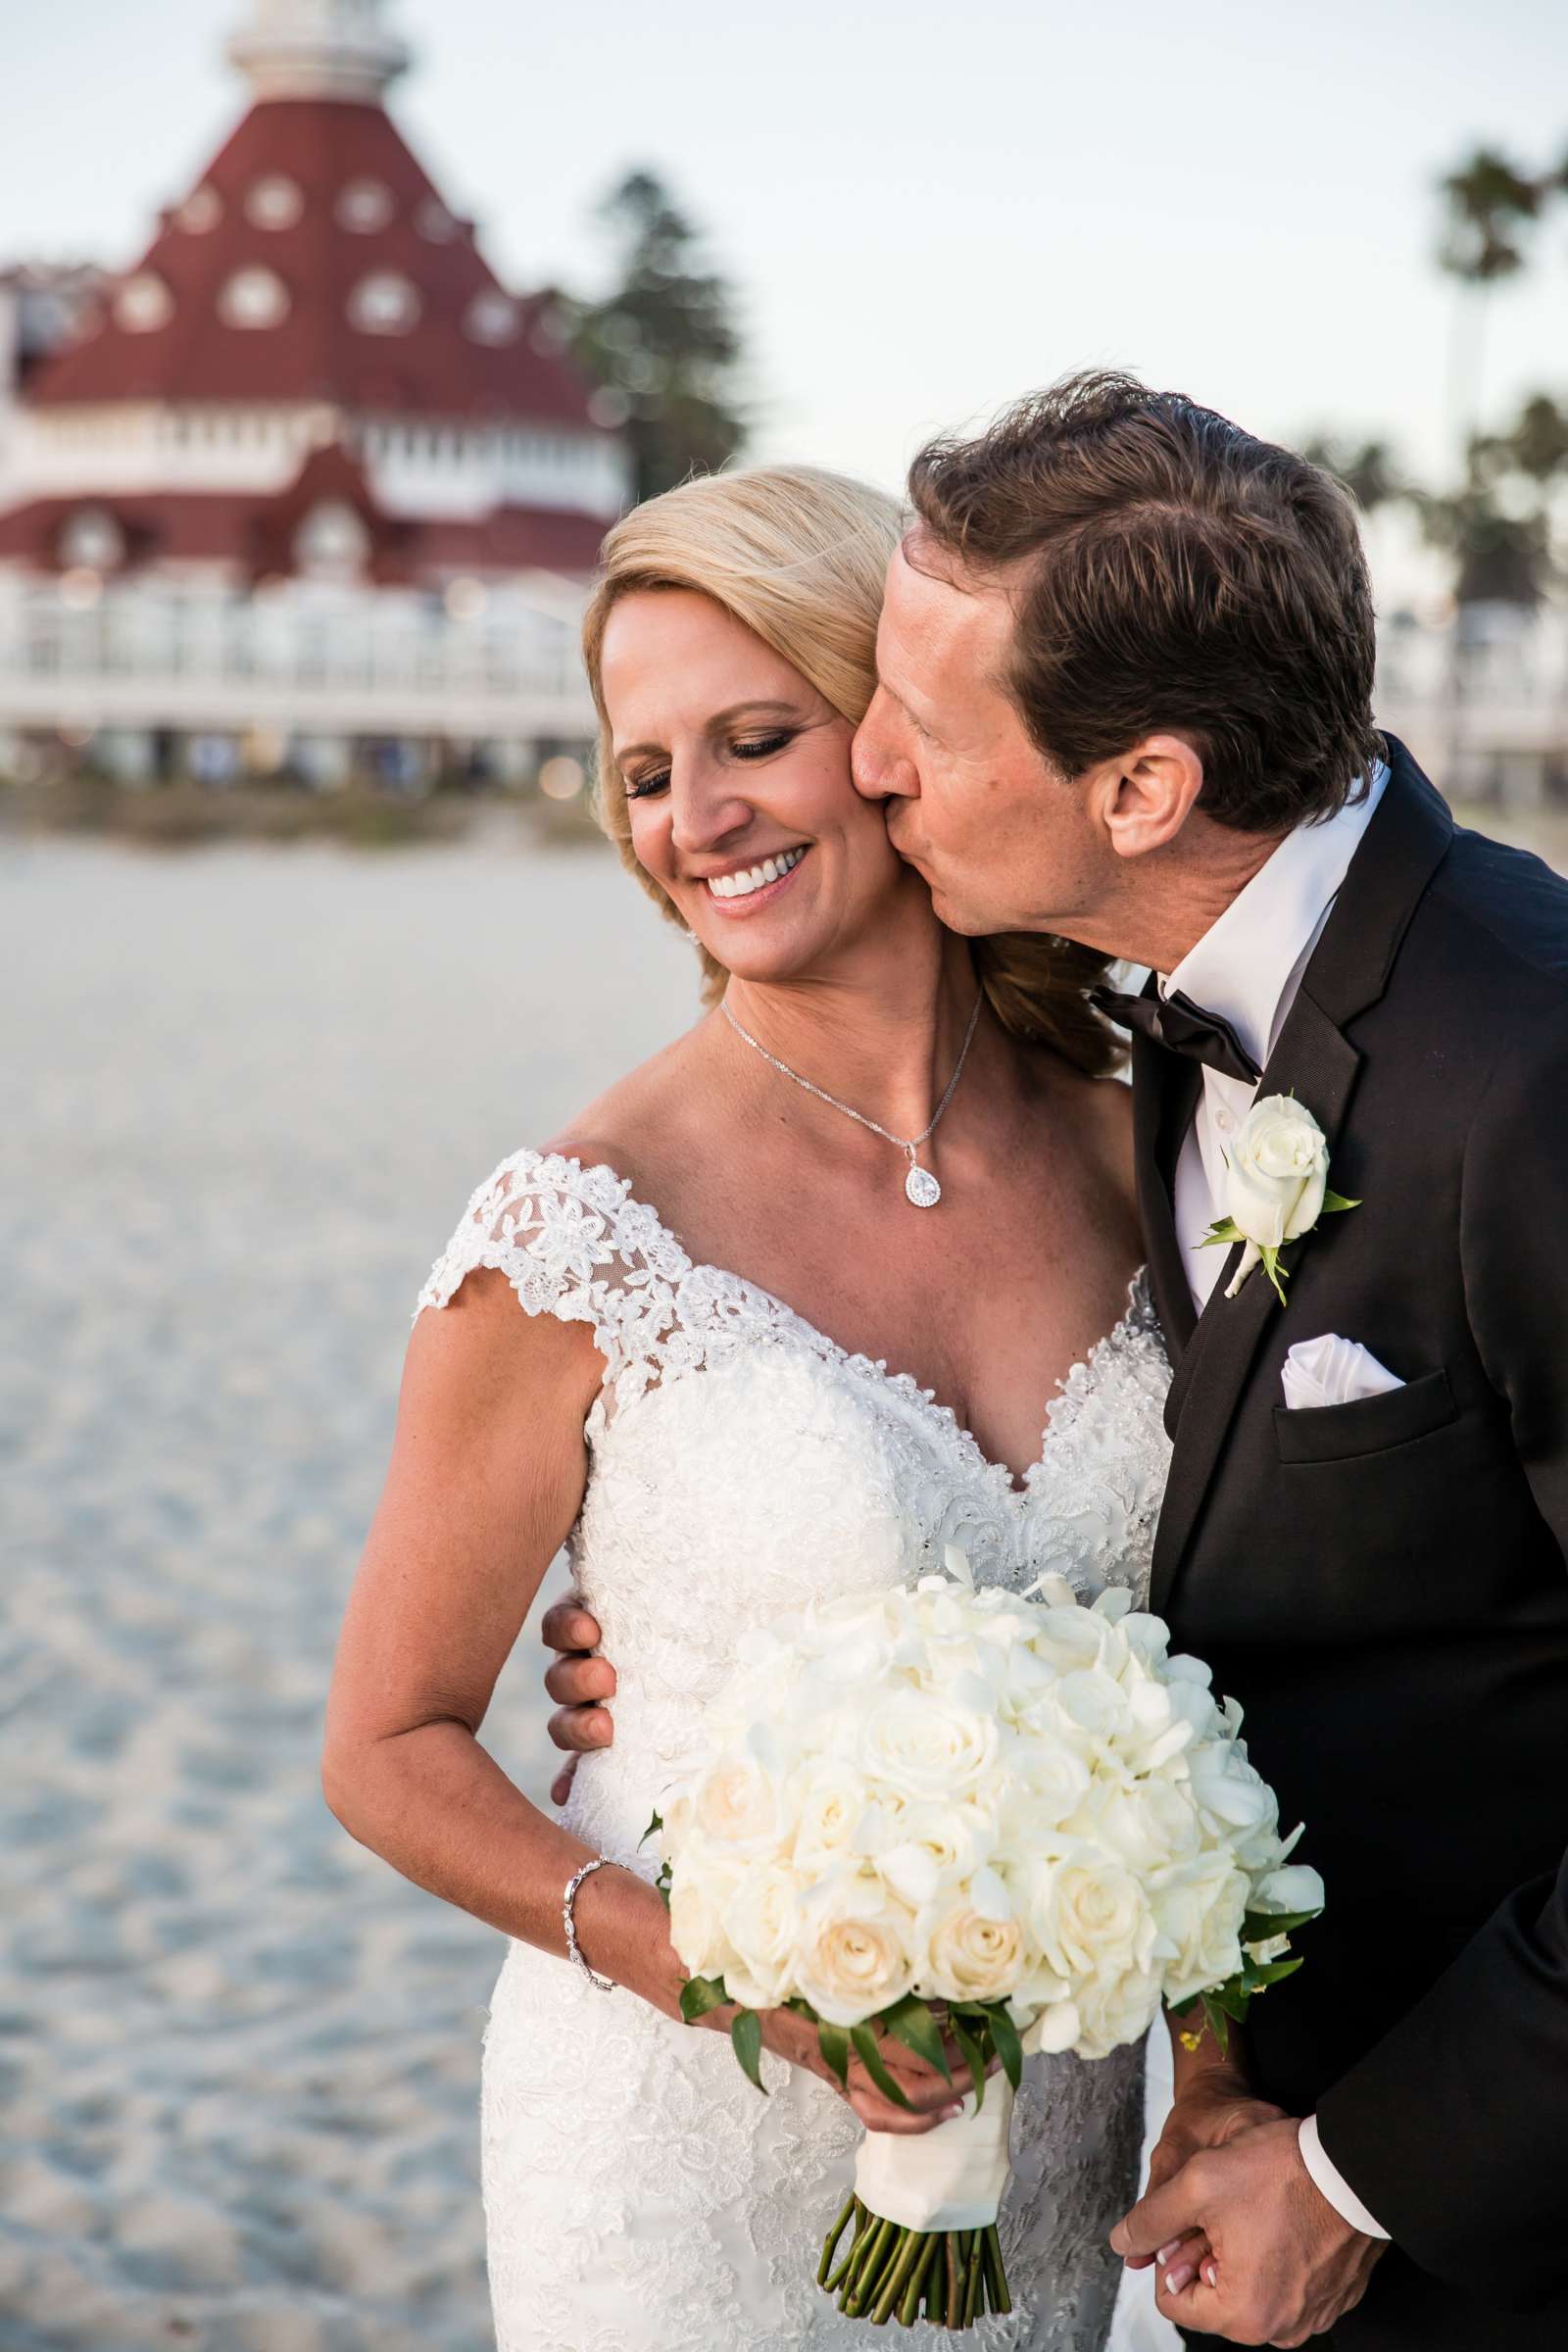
(919, 1185)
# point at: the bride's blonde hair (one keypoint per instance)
(799, 555)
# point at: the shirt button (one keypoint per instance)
(1224, 1121)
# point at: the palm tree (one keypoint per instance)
(1490, 208)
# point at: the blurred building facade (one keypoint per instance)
(307, 488)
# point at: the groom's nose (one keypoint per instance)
(879, 768)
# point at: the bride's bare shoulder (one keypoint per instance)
(647, 1124)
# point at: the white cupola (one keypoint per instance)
(318, 49)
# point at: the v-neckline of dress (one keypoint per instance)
(875, 1370)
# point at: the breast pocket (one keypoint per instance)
(1340, 1433)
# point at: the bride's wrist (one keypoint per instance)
(623, 1933)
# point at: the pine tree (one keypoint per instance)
(664, 341)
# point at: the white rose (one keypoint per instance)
(938, 1846)
(929, 1744)
(971, 1947)
(736, 1807)
(762, 1919)
(1278, 1172)
(1232, 1792)
(830, 1801)
(1089, 1916)
(1148, 1825)
(1297, 1888)
(1115, 2010)
(1056, 1782)
(1199, 1909)
(697, 1900)
(855, 1953)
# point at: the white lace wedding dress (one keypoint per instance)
(640, 2195)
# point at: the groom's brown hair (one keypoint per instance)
(1177, 574)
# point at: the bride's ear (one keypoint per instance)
(1142, 800)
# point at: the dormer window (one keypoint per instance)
(92, 541)
(253, 298)
(276, 202)
(364, 205)
(143, 304)
(331, 543)
(384, 303)
(491, 318)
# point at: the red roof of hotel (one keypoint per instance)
(316, 353)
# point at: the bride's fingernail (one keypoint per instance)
(1165, 2252)
(948, 2114)
(1182, 2276)
(1212, 2274)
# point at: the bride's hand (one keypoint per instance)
(932, 2099)
(580, 1683)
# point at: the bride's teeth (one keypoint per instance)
(756, 877)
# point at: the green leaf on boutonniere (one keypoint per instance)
(915, 2027)
(870, 2058)
(834, 2045)
(1270, 1263)
(746, 2033)
(699, 1994)
(1222, 1236)
(1334, 1203)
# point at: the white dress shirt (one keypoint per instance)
(1248, 967)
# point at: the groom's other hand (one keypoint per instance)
(580, 1684)
(1283, 2266)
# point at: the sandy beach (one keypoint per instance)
(250, 1092)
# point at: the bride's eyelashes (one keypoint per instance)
(757, 747)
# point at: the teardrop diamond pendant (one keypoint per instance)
(921, 1186)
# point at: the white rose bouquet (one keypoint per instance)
(975, 1821)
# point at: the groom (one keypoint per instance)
(1126, 667)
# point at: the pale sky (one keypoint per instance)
(928, 207)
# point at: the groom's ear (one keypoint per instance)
(1143, 799)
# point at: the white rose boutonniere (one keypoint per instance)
(1276, 1187)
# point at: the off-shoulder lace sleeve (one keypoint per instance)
(572, 1243)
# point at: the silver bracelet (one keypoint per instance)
(605, 1983)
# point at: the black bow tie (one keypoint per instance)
(1182, 1027)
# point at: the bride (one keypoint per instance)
(883, 1146)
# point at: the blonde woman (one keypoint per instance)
(845, 1273)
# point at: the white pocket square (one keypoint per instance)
(1333, 1371)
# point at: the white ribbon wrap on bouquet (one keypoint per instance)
(949, 2178)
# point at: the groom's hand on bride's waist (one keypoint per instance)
(1280, 2267)
(580, 1684)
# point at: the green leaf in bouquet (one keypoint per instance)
(1219, 2024)
(974, 2058)
(1258, 1976)
(802, 2008)
(746, 2033)
(1232, 1996)
(870, 2058)
(1258, 1927)
(1010, 2049)
(834, 2045)
(657, 1823)
(915, 2027)
(699, 1994)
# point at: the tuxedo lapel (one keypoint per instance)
(1314, 1060)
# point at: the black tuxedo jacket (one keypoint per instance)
(1383, 1583)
